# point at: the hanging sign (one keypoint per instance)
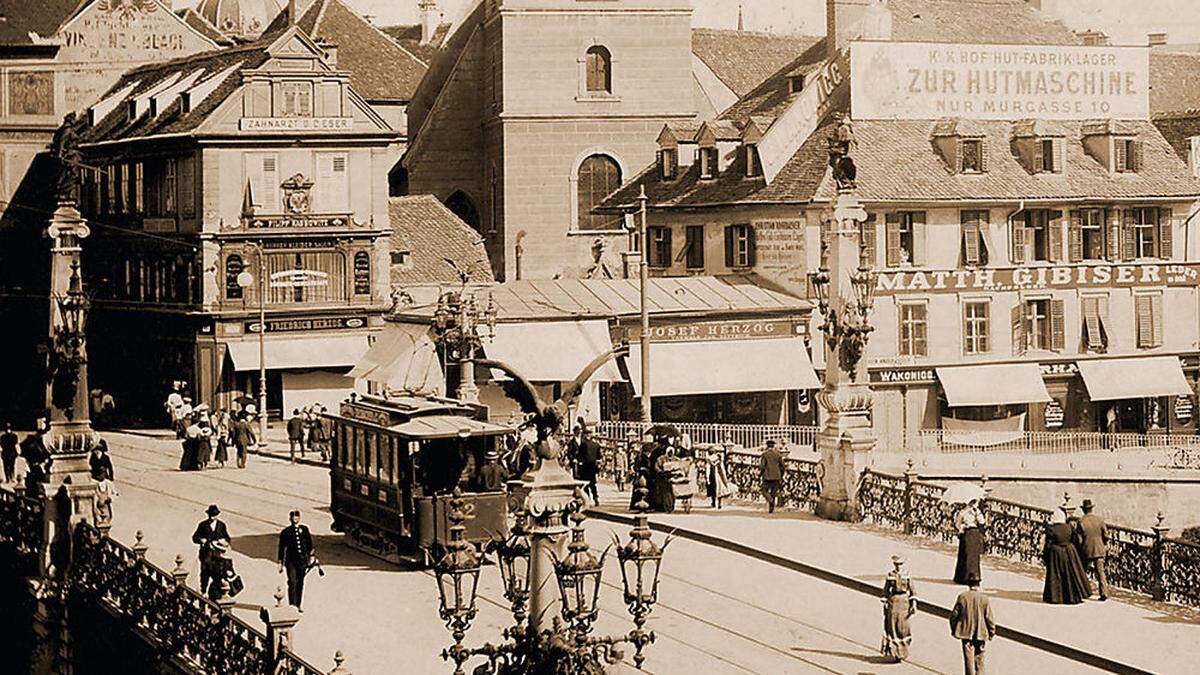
(1054, 415)
(1184, 408)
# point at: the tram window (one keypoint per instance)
(371, 468)
(389, 460)
(358, 451)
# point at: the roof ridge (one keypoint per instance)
(391, 41)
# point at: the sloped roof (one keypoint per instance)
(380, 69)
(40, 17)
(1178, 128)
(976, 22)
(409, 37)
(432, 234)
(1174, 82)
(743, 59)
(202, 26)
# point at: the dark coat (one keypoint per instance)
(101, 467)
(771, 462)
(491, 478)
(240, 433)
(205, 535)
(295, 545)
(971, 618)
(295, 428)
(8, 445)
(589, 451)
(1094, 536)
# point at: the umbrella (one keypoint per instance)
(961, 493)
(663, 430)
(244, 401)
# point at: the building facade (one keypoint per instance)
(245, 180)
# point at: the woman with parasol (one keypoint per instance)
(969, 522)
(899, 603)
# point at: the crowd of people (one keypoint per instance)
(307, 429)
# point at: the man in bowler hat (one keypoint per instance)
(207, 534)
(295, 556)
(1093, 544)
(771, 464)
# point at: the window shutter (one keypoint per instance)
(187, 186)
(1038, 159)
(958, 155)
(156, 189)
(729, 246)
(1112, 235)
(1091, 323)
(1144, 311)
(1058, 333)
(751, 246)
(983, 155)
(1018, 328)
(1165, 233)
(1120, 156)
(1075, 237)
(868, 239)
(970, 234)
(1156, 313)
(1128, 247)
(664, 256)
(1060, 155)
(1055, 231)
(1018, 243)
(918, 234)
(966, 333)
(892, 235)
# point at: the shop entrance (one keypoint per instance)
(1133, 415)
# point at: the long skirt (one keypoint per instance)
(661, 493)
(222, 455)
(897, 636)
(187, 462)
(203, 452)
(970, 547)
(1066, 581)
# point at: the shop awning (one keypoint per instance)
(1145, 377)
(724, 366)
(553, 351)
(333, 351)
(447, 426)
(403, 358)
(995, 384)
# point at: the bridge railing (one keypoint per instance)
(21, 522)
(949, 441)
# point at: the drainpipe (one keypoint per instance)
(517, 252)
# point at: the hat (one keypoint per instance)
(898, 560)
(1087, 505)
(220, 546)
(771, 443)
(213, 510)
(294, 512)
(491, 454)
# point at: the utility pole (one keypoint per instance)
(643, 279)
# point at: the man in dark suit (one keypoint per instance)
(8, 453)
(242, 436)
(771, 464)
(207, 534)
(1093, 545)
(295, 555)
(972, 623)
(295, 432)
(589, 463)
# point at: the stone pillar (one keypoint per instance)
(846, 438)
(549, 496)
(279, 621)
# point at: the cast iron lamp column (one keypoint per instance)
(460, 326)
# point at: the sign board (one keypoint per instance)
(126, 31)
(1184, 408)
(719, 330)
(927, 375)
(299, 279)
(296, 123)
(1054, 415)
(799, 120)
(779, 249)
(296, 221)
(1041, 277)
(925, 81)
(369, 415)
(321, 323)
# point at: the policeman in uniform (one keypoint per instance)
(295, 556)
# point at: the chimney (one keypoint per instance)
(331, 53)
(293, 12)
(1156, 39)
(430, 18)
(841, 23)
(741, 24)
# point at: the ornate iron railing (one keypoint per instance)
(1177, 448)
(1014, 530)
(1179, 571)
(882, 499)
(1133, 558)
(743, 435)
(22, 524)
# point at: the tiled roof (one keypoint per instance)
(430, 233)
(609, 298)
(1177, 128)
(40, 17)
(743, 59)
(976, 22)
(202, 26)
(409, 37)
(1174, 82)
(380, 69)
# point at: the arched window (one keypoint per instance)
(233, 267)
(599, 70)
(599, 176)
(462, 206)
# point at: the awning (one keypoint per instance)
(996, 384)
(1145, 377)
(448, 426)
(333, 351)
(403, 358)
(553, 351)
(724, 366)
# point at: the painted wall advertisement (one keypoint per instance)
(112, 30)
(911, 80)
(779, 250)
(1041, 277)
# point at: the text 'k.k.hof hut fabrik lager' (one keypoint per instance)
(1035, 236)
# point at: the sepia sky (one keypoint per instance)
(1126, 21)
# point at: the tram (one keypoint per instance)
(395, 462)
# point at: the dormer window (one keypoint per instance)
(1049, 155)
(972, 156)
(668, 163)
(795, 84)
(1127, 155)
(753, 163)
(708, 162)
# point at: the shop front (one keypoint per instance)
(1143, 395)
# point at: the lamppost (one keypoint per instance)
(540, 643)
(246, 280)
(845, 289)
(460, 326)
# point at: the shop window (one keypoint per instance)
(693, 252)
(1146, 234)
(753, 163)
(296, 99)
(599, 70)
(974, 250)
(362, 273)
(1094, 309)
(739, 246)
(904, 229)
(321, 276)
(1126, 155)
(976, 327)
(1038, 324)
(122, 205)
(169, 187)
(972, 156)
(1087, 234)
(708, 162)
(1037, 236)
(668, 163)
(660, 246)
(914, 329)
(1049, 155)
(139, 187)
(598, 176)
(1148, 312)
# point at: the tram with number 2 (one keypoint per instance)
(395, 462)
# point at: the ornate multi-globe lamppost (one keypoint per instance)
(565, 647)
(460, 326)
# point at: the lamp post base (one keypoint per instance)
(845, 443)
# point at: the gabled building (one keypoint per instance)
(229, 181)
(1032, 229)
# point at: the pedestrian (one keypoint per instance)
(174, 406)
(771, 465)
(37, 459)
(662, 495)
(100, 464)
(899, 603)
(242, 435)
(1093, 546)
(222, 570)
(588, 459)
(491, 477)
(621, 461)
(221, 422)
(203, 442)
(718, 480)
(969, 523)
(971, 622)
(295, 432)
(1066, 581)
(295, 557)
(319, 433)
(106, 491)
(8, 453)
(191, 436)
(209, 535)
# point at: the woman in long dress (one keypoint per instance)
(203, 445)
(191, 439)
(718, 481)
(1066, 581)
(969, 523)
(899, 603)
(221, 433)
(662, 493)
